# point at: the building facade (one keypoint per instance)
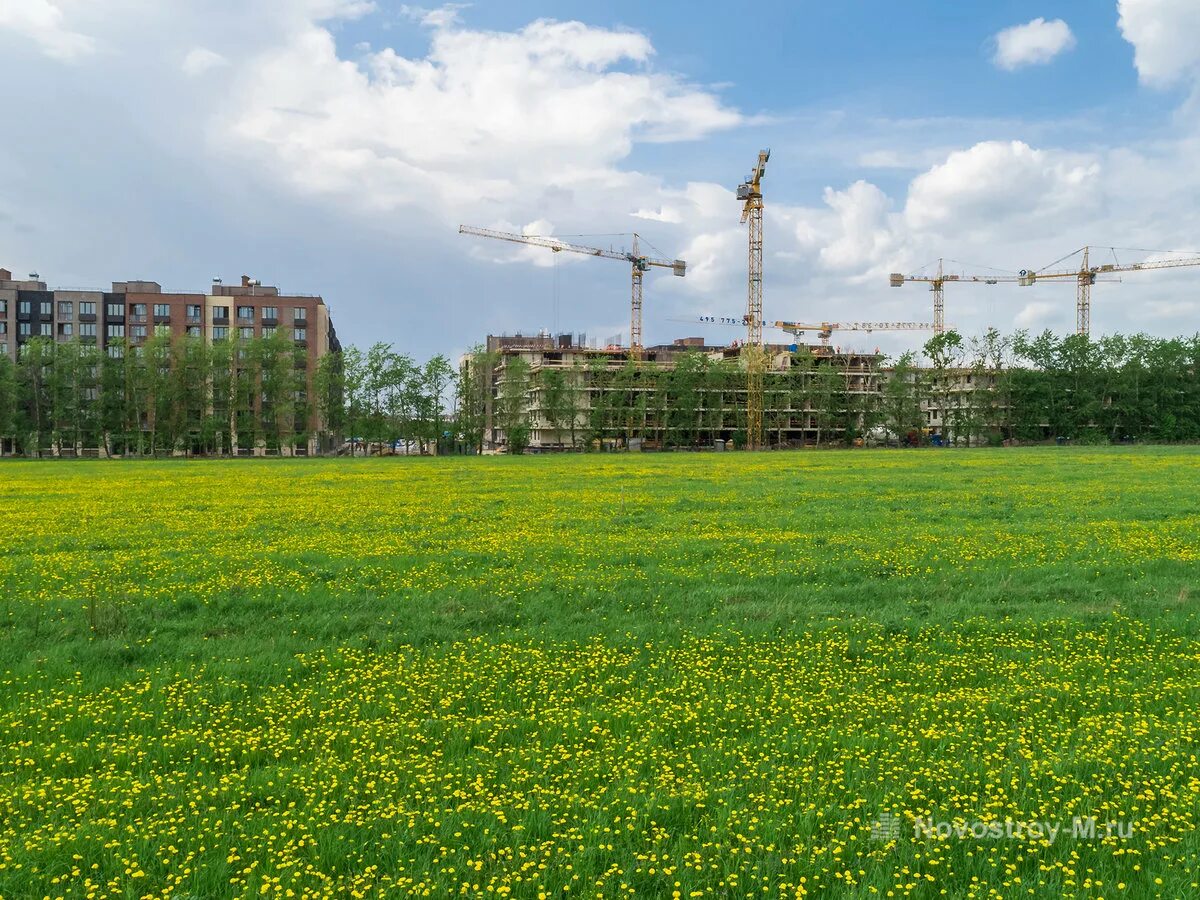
(570, 395)
(132, 312)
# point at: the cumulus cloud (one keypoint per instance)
(866, 232)
(1165, 35)
(42, 22)
(1035, 43)
(994, 184)
(499, 116)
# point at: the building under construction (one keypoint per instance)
(561, 394)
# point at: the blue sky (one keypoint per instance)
(334, 146)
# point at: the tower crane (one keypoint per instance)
(750, 193)
(1085, 277)
(825, 330)
(937, 284)
(639, 265)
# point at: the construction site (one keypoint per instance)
(559, 392)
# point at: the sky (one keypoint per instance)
(335, 146)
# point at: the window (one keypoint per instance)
(193, 311)
(162, 330)
(246, 312)
(46, 308)
(137, 332)
(115, 331)
(3, 348)
(299, 314)
(64, 329)
(3, 307)
(87, 309)
(90, 393)
(116, 351)
(139, 309)
(270, 312)
(24, 329)
(193, 331)
(268, 331)
(65, 309)
(24, 308)
(116, 309)
(246, 333)
(220, 333)
(162, 310)
(301, 334)
(3, 328)
(220, 312)
(87, 329)
(46, 329)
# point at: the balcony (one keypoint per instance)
(162, 320)
(220, 320)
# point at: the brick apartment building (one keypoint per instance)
(134, 311)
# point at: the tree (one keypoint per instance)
(514, 409)
(553, 389)
(474, 397)
(33, 375)
(329, 386)
(944, 352)
(354, 393)
(825, 388)
(902, 399)
(682, 399)
(436, 379)
(8, 399)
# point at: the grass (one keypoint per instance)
(709, 675)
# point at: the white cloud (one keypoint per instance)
(996, 185)
(866, 234)
(43, 23)
(200, 60)
(1034, 43)
(485, 116)
(1166, 38)
(441, 17)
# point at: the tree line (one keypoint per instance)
(172, 395)
(985, 389)
(164, 395)
(1028, 387)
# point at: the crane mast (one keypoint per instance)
(638, 263)
(750, 192)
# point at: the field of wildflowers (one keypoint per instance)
(678, 675)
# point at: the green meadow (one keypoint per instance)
(846, 673)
